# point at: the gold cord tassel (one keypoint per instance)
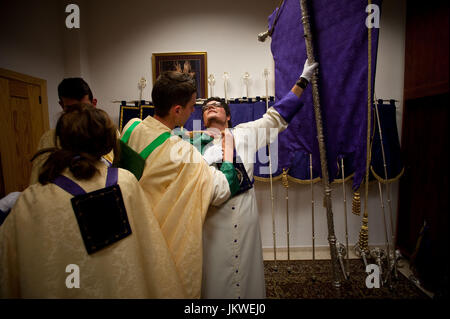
(356, 203)
(363, 241)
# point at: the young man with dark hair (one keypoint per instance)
(73, 91)
(232, 252)
(220, 103)
(178, 182)
(70, 91)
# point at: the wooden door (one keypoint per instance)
(24, 118)
(423, 193)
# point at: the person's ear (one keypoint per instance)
(94, 102)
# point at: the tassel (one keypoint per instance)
(356, 203)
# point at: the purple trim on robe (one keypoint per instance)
(68, 185)
(288, 106)
(73, 188)
(112, 176)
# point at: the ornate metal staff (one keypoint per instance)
(226, 76)
(378, 254)
(320, 136)
(361, 253)
(275, 267)
(211, 81)
(268, 33)
(388, 252)
(285, 182)
(313, 277)
(345, 214)
(341, 252)
(363, 242)
(376, 251)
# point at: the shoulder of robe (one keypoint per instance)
(129, 123)
(47, 139)
(126, 177)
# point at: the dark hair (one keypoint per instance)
(172, 88)
(74, 88)
(85, 134)
(222, 104)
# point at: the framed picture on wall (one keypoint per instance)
(193, 63)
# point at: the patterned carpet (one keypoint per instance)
(298, 283)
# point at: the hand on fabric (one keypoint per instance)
(213, 154)
(308, 70)
(227, 145)
(7, 202)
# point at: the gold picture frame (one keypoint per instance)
(193, 63)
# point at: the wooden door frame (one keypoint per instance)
(32, 80)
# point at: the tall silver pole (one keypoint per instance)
(321, 139)
(345, 214)
(312, 215)
(266, 75)
(388, 253)
(386, 237)
(286, 185)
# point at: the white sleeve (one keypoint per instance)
(259, 133)
(221, 189)
(7, 202)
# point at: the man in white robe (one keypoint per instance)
(232, 252)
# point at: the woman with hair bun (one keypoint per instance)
(85, 230)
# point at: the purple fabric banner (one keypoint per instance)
(340, 40)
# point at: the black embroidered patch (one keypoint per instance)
(102, 217)
(244, 181)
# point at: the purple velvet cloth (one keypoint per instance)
(341, 47)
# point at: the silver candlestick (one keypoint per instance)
(142, 84)
(211, 81)
(226, 77)
(246, 78)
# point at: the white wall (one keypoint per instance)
(113, 50)
(30, 43)
(123, 35)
